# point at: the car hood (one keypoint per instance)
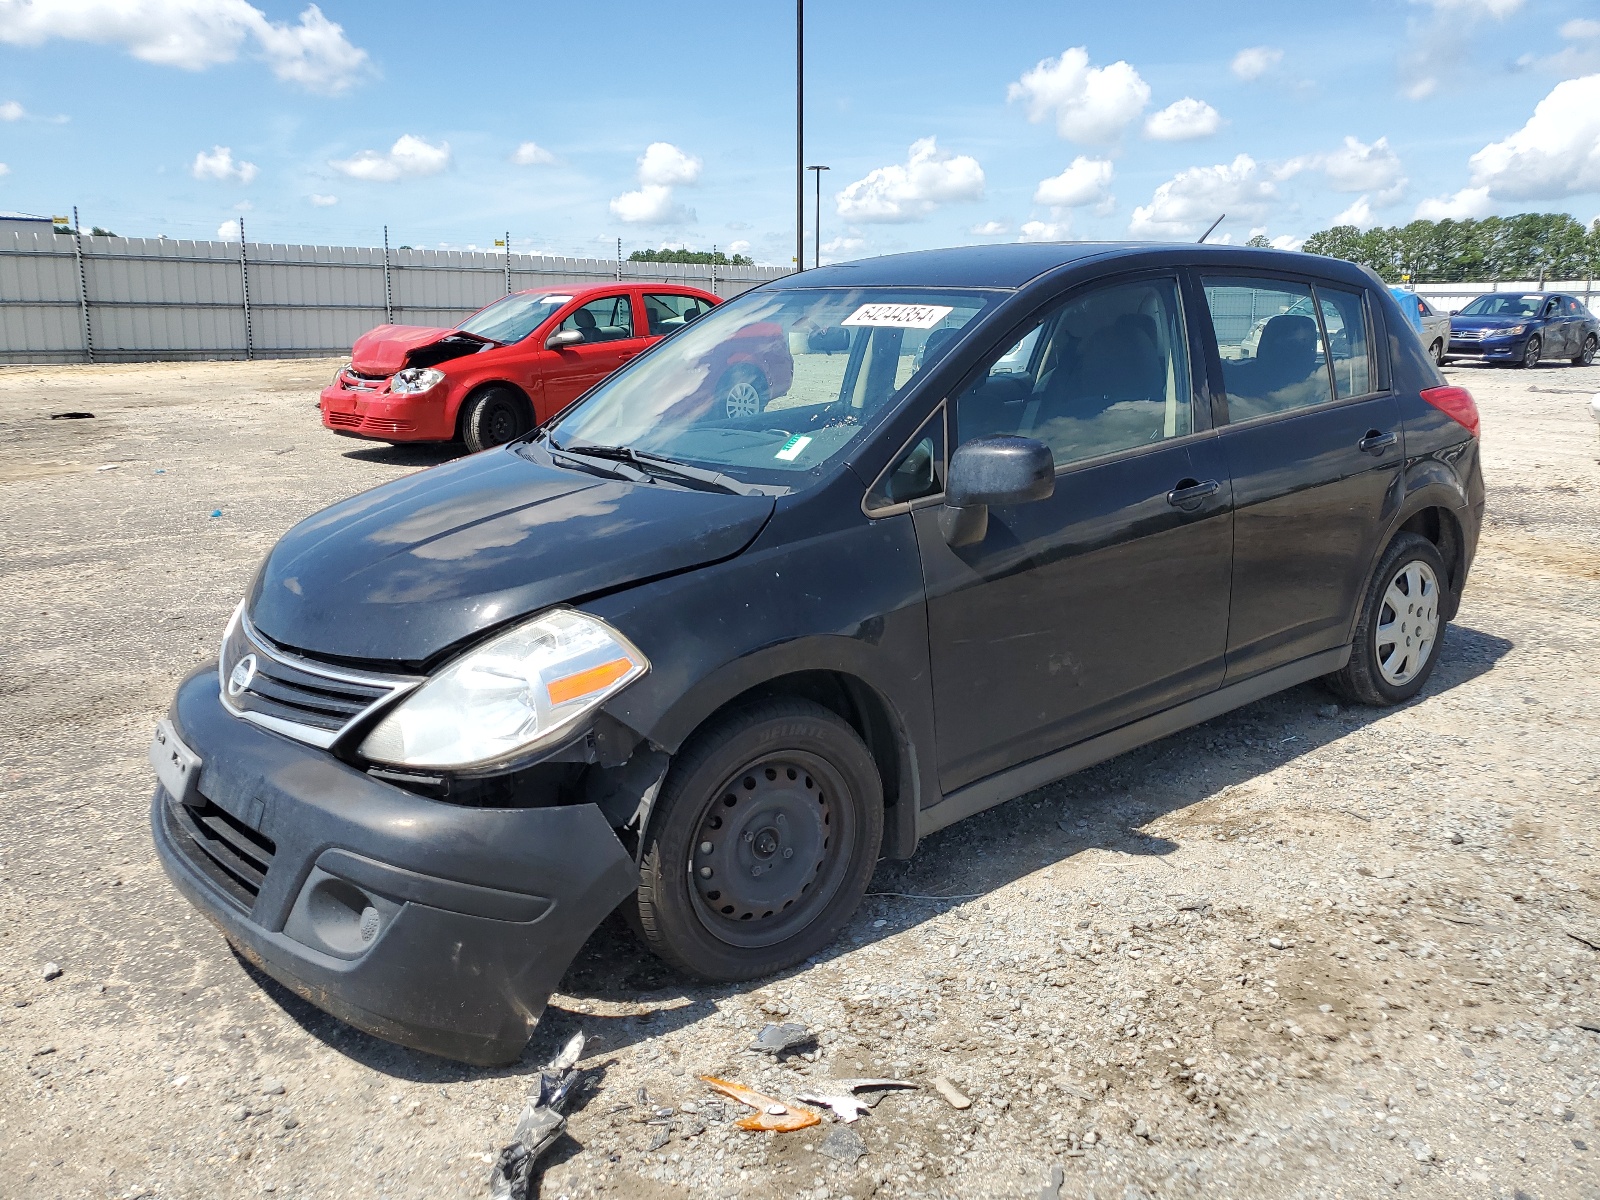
(382, 351)
(1459, 322)
(405, 571)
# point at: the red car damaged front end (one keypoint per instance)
(397, 387)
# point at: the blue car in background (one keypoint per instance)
(1523, 327)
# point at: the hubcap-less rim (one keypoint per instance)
(744, 399)
(770, 849)
(1408, 623)
(502, 424)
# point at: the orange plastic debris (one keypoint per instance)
(771, 1114)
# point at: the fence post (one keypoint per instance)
(713, 269)
(83, 287)
(508, 262)
(244, 278)
(388, 291)
(619, 260)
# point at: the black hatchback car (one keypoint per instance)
(1013, 511)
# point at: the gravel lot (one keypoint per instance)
(1298, 951)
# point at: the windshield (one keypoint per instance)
(773, 384)
(1504, 306)
(514, 318)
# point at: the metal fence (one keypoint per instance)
(71, 298)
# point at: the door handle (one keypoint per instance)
(1376, 443)
(1188, 494)
(626, 355)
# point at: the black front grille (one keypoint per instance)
(227, 851)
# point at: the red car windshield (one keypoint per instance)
(773, 384)
(514, 318)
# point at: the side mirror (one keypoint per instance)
(1454, 311)
(565, 337)
(993, 470)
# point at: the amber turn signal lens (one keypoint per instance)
(593, 680)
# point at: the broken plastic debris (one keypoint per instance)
(108, 467)
(948, 1090)
(775, 1039)
(840, 1095)
(72, 416)
(541, 1123)
(216, 512)
(843, 1144)
(771, 1113)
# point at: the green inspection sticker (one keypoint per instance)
(791, 448)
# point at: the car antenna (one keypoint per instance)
(1211, 230)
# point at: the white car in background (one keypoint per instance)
(1435, 329)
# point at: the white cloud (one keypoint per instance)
(194, 35)
(1084, 182)
(1253, 62)
(1355, 167)
(228, 231)
(531, 154)
(1441, 46)
(1194, 198)
(990, 228)
(910, 191)
(652, 204)
(409, 157)
(664, 165)
(1579, 29)
(1183, 120)
(1556, 153)
(11, 111)
(4, 170)
(1044, 231)
(1465, 204)
(1498, 9)
(1090, 104)
(1358, 214)
(219, 166)
(842, 247)
(1286, 241)
(318, 200)
(739, 247)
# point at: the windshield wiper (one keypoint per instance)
(656, 464)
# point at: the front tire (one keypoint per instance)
(1585, 357)
(493, 417)
(743, 392)
(1398, 634)
(761, 844)
(1530, 352)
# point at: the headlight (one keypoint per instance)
(415, 379)
(338, 376)
(516, 693)
(1513, 330)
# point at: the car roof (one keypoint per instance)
(590, 290)
(1014, 264)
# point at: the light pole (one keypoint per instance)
(817, 262)
(799, 135)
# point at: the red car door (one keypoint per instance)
(608, 337)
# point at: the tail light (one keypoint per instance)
(1455, 403)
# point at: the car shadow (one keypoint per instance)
(1104, 807)
(408, 454)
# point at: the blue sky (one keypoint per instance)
(673, 124)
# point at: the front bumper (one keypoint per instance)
(440, 927)
(1479, 350)
(359, 413)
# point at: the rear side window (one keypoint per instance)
(1271, 346)
(1344, 319)
(1104, 372)
(664, 312)
(608, 319)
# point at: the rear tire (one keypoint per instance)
(761, 844)
(1399, 632)
(1585, 357)
(1530, 352)
(1437, 352)
(493, 417)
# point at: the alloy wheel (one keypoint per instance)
(743, 399)
(1530, 353)
(1586, 358)
(1408, 623)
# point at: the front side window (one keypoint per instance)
(773, 384)
(1271, 346)
(1104, 372)
(665, 311)
(1344, 317)
(513, 318)
(917, 472)
(608, 319)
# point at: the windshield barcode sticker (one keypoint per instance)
(791, 448)
(899, 316)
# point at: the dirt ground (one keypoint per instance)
(1298, 951)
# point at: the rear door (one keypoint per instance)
(1313, 444)
(610, 338)
(1109, 600)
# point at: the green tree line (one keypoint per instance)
(702, 257)
(1526, 246)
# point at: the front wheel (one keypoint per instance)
(762, 842)
(1398, 633)
(1585, 357)
(743, 392)
(493, 417)
(1530, 352)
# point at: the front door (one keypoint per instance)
(1109, 600)
(1313, 448)
(609, 340)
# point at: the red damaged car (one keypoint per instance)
(524, 358)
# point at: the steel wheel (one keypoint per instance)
(1408, 623)
(769, 850)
